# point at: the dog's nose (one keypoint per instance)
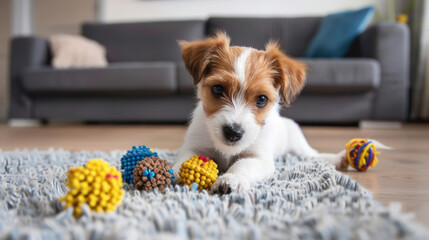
(233, 133)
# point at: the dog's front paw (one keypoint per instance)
(230, 182)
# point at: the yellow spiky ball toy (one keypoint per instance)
(96, 184)
(200, 170)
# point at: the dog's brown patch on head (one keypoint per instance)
(204, 56)
(212, 59)
(259, 76)
(211, 103)
(266, 73)
(222, 73)
(289, 74)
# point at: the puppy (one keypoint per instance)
(237, 121)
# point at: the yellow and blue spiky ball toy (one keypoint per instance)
(96, 184)
(200, 170)
(361, 154)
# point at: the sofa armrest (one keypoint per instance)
(26, 53)
(389, 44)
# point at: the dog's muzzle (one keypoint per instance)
(233, 133)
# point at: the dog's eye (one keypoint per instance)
(261, 101)
(217, 90)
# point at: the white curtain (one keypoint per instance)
(419, 75)
(424, 108)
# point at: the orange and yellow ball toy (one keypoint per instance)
(96, 184)
(361, 154)
(200, 170)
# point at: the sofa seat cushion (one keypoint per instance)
(142, 78)
(341, 76)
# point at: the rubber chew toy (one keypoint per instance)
(152, 172)
(96, 184)
(361, 154)
(200, 170)
(131, 158)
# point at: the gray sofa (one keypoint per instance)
(146, 79)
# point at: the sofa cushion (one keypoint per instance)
(341, 76)
(337, 33)
(144, 41)
(74, 51)
(140, 78)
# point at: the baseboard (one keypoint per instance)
(380, 124)
(24, 123)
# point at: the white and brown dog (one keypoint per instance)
(237, 121)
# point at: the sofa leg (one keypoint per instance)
(44, 121)
(369, 124)
(25, 123)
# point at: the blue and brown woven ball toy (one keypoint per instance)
(152, 172)
(131, 158)
(361, 154)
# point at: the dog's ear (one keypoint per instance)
(289, 74)
(198, 54)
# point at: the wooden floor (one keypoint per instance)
(401, 176)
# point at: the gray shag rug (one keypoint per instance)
(305, 199)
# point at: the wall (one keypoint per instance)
(65, 16)
(141, 10)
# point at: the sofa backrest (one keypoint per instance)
(144, 41)
(293, 34)
(157, 41)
